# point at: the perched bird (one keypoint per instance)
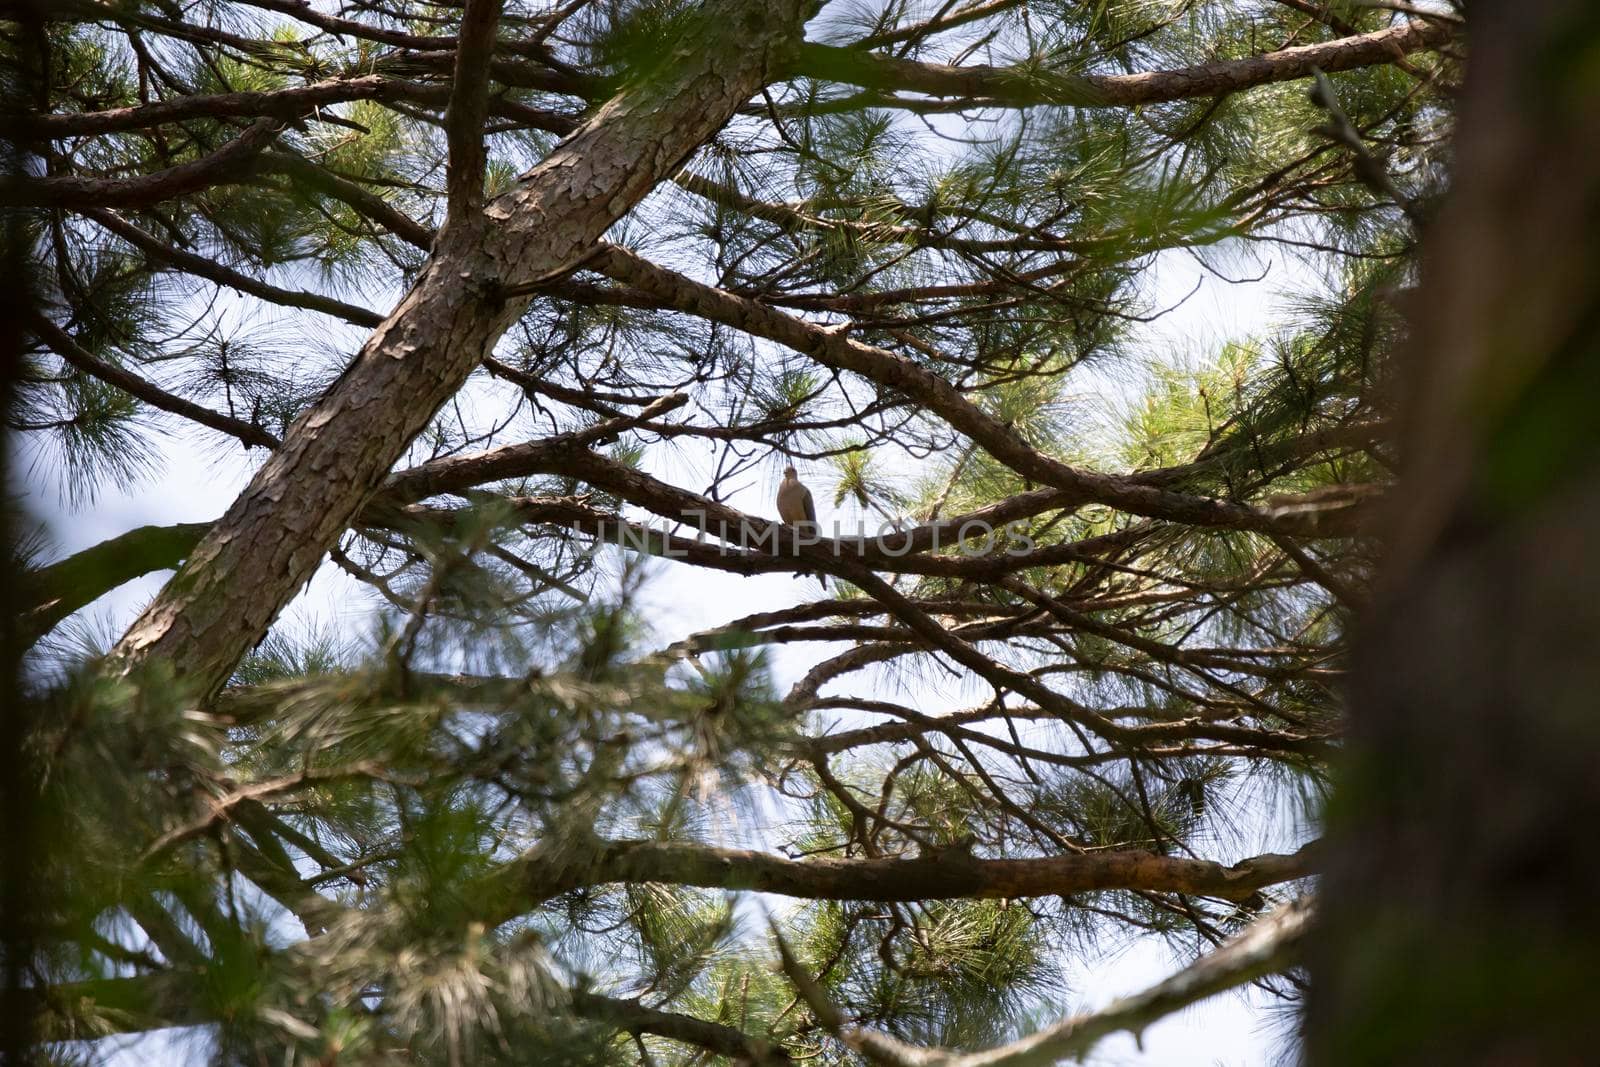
(795, 507)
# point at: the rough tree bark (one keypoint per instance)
(1460, 909)
(274, 535)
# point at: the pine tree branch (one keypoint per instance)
(972, 12)
(917, 724)
(469, 105)
(279, 104)
(1020, 87)
(56, 591)
(635, 1018)
(545, 872)
(453, 473)
(292, 103)
(231, 162)
(363, 202)
(440, 50)
(1268, 946)
(208, 268)
(793, 219)
(64, 346)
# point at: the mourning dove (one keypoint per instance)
(795, 507)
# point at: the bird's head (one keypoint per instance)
(790, 473)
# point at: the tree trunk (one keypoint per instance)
(275, 534)
(1459, 915)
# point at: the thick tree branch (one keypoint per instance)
(1017, 87)
(544, 873)
(56, 591)
(469, 104)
